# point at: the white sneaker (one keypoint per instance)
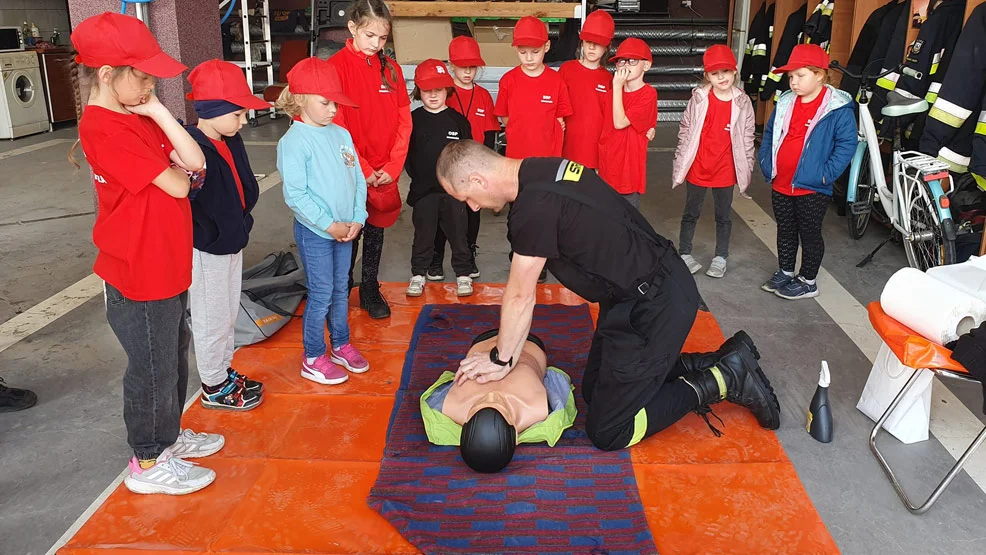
(693, 265)
(416, 287)
(718, 267)
(463, 286)
(191, 445)
(170, 476)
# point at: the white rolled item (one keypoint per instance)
(934, 309)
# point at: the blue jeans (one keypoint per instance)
(326, 263)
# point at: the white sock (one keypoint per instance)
(809, 281)
(788, 274)
(310, 360)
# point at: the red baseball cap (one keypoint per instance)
(315, 76)
(598, 28)
(464, 52)
(632, 49)
(112, 39)
(805, 55)
(219, 80)
(432, 74)
(718, 56)
(530, 31)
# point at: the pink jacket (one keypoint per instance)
(742, 122)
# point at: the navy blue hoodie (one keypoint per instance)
(220, 224)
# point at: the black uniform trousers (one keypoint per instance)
(433, 212)
(634, 360)
(472, 236)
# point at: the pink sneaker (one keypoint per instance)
(323, 371)
(349, 358)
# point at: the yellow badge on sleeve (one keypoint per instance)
(573, 172)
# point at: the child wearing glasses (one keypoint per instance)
(629, 112)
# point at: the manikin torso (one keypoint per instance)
(520, 397)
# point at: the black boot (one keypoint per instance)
(373, 302)
(473, 268)
(736, 377)
(701, 361)
(12, 400)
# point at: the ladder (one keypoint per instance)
(249, 65)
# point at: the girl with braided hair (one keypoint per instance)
(381, 131)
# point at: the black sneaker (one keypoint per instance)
(435, 273)
(13, 400)
(544, 276)
(776, 281)
(373, 302)
(232, 394)
(251, 385)
(473, 269)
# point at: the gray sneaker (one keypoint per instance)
(416, 287)
(191, 445)
(693, 265)
(170, 476)
(718, 267)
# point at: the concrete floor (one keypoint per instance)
(56, 458)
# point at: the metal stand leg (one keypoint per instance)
(940, 488)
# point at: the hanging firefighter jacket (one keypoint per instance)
(790, 37)
(865, 44)
(949, 129)
(756, 63)
(893, 56)
(818, 28)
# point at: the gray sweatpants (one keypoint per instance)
(214, 299)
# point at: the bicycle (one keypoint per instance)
(917, 205)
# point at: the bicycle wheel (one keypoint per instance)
(927, 245)
(859, 212)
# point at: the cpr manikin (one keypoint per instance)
(531, 404)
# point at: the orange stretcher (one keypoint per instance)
(920, 354)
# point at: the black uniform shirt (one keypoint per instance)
(429, 134)
(592, 250)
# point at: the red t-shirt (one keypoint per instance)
(623, 152)
(228, 157)
(143, 234)
(533, 106)
(793, 144)
(477, 105)
(713, 165)
(584, 127)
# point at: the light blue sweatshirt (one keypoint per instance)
(323, 182)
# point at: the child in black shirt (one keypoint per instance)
(433, 126)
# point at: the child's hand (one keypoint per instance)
(371, 180)
(151, 108)
(338, 231)
(651, 133)
(621, 76)
(384, 178)
(561, 121)
(354, 229)
(195, 180)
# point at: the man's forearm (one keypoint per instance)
(515, 322)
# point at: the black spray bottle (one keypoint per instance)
(819, 412)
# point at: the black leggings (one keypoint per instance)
(372, 237)
(799, 222)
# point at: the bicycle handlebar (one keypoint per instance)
(905, 70)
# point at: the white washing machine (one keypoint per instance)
(23, 110)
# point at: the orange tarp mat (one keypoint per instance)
(295, 472)
(910, 347)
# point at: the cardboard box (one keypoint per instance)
(418, 38)
(494, 38)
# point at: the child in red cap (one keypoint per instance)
(140, 158)
(807, 144)
(380, 132)
(715, 151)
(588, 85)
(434, 126)
(326, 188)
(221, 229)
(630, 111)
(474, 102)
(533, 100)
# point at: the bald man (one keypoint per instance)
(563, 216)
